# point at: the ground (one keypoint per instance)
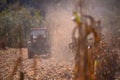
(40, 68)
(45, 69)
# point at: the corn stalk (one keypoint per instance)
(84, 69)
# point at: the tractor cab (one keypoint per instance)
(38, 43)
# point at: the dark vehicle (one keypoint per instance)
(39, 42)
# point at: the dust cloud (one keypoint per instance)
(58, 18)
(60, 26)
